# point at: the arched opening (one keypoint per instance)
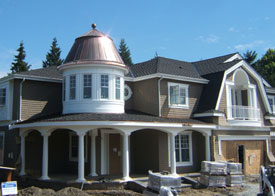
(148, 151)
(33, 153)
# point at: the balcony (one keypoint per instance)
(243, 113)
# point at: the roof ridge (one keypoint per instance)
(232, 54)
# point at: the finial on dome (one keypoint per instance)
(93, 25)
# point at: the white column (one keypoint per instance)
(22, 154)
(93, 154)
(81, 161)
(173, 154)
(207, 147)
(45, 156)
(126, 165)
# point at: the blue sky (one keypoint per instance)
(179, 29)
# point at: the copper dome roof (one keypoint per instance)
(93, 47)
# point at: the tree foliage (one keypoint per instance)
(53, 56)
(125, 53)
(19, 65)
(250, 56)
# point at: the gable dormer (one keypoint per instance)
(93, 76)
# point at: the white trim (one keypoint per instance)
(75, 159)
(236, 56)
(269, 117)
(242, 128)
(190, 162)
(35, 78)
(2, 134)
(168, 76)
(129, 92)
(186, 89)
(238, 138)
(208, 114)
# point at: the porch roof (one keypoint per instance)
(129, 115)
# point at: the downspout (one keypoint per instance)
(159, 95)
(20, 98)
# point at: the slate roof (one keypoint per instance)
(129, 115)
(165, 66)
(49, 72)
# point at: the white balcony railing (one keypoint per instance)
(238, 112)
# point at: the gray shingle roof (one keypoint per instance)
(49, 72)
(129, 115)
(165, 66)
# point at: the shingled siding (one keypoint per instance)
(40, 98)
(194, 95)
(16, 98)
(145, 96)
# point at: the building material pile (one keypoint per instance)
(221, 174)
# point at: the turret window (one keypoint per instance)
(72, 87)
(87, 86)
(117, 88)
(104, 83)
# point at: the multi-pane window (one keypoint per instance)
(104, 84)
(182, 148)
(87, 86)
(64, 89)
(272, 103)
(2, 96)
(74, 147)
(72, 87)
(178, 94)
(117, 88)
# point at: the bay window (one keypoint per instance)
(72, 87)
(104, 83)
(117, 88)
(87, 86)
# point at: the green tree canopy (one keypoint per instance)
(19, 64)
(250, 56)
(266, 66)
(125, 53)
(53, 56)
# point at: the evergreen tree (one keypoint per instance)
(125, 53)
(53, 57)
(250, 56)
(19, 64)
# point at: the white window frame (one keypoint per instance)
(272, 106)
(108, 87)
(64, 88)
(117, 87)
(2, 134)
(128, 96)
(190, 162)
(186, 88)
(3, 105)
(83, 85)
(71, 158)
(72, 88)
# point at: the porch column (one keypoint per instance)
(93, 154)
(126, 164)
(81, 161)
(207, 147)
(22, 154)
(173, 154)
(45, 156)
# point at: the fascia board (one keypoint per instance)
(236, 56)
(208, 114)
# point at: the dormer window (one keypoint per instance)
(2, 96)
(117, 88)
(87, 86)
(72, 87)
(104, 83)
(178, 95)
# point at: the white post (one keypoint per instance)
(81, 161)
(45, 156)
(173, 154)
(207, 147)
(93, 154)
(126, 164)
(22, 153)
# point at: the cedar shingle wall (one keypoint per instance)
(194, 95)
(41, 98)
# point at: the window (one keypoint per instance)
(104, 83)
(87, 86)
(74, 147)
(178, 95)
(72, 87)
(118, 88)
(64, 89)
(2, 96)
(183, 148)
(1, 148)
(272, 103)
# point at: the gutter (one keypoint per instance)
(20, 98)
(159, 95)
